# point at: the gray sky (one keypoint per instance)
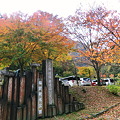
(63, 8)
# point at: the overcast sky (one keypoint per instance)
(63, 8)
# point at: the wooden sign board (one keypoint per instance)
(40, 97)
(50, 81)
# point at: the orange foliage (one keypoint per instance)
(33, 38)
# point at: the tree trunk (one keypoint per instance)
(98, 77)
(97, 69)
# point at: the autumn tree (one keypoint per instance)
(109, 26)
(86, 72)
(16, 45)
(27, 39)
(82, 28)
(50, 30)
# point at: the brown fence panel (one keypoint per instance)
(24, 112)
(10, 86)
(34, 107)
(60, 106)
(3, 110)
(5, 88)
(34, 78)
(66, 91)
(19, 113)
(29, 109)
(28, 85)
(8, 111)
(22, 90)
(45, 101)
(15, 90)
(1, 91)
(13, 112)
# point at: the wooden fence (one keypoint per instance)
(35, 95)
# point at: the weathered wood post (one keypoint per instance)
(49, 82)
(66, 90)
(3, 96)
(56, 94)
(36, 96)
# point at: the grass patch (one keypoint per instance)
(114, 89)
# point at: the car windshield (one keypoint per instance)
(94, 80)
(86, 79)
(111, 80)
(105, 80)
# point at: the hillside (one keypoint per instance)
(95, 98)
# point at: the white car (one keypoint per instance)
(105, 81)
(69, 81)
(108, 81)
(65, 82)
(84, 82)
(73, 82)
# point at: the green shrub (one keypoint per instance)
(114, 89)
(117, 83)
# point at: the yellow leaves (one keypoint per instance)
(86, 71)
(34, 38)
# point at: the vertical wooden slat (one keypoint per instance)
(22, 90)
(28, 85)
(24, 113)
(19, 113)
(3, 110)
(60, 106)
(33, 107)
(5, 88)
(1, 91)
(29, 109)
(60, 88)
(8, 111)
(10, 85)
(34, 78)
(66, 90)
(15, 90)
(45, 101)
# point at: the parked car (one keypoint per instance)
(94, 82)
(70, 81)
(65, 82)
(84, 82)
(108, 81)
(73, 82)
